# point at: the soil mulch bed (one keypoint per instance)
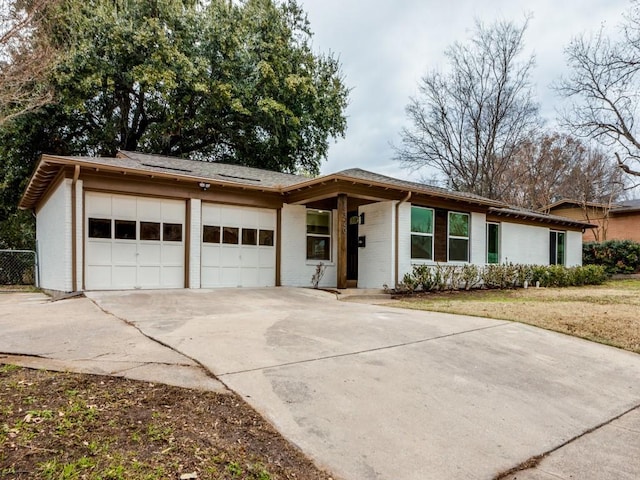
(74, 426)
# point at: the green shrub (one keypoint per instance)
(617, 256)
(440, 277)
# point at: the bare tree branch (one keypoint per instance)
(604, 85)
(25, 58)
(470, 123)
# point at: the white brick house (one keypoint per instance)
(146, 221)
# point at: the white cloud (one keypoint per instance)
(385, 46)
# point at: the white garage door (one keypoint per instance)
(238, 247)
(133, 242)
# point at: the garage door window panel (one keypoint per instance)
(265, 238)
(172, 232)
(150, 231)
(211, 234)
(230, 235)
(249, 236)
(100, 228)
(125, 229)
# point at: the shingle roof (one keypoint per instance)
(618, 207)
(254, 178)
(627, 206)
(521, 212)
(376, 177)
(204, 169)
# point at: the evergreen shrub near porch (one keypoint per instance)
(442, 277)
(617, 256)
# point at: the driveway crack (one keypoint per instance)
(368, 350)
(534, 461)
(198, 363)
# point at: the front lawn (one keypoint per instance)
(608, 313)
(68, 426)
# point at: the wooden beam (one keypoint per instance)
(342, 241)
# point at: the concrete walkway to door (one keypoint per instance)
(374, 392)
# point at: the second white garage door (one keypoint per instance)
(238, 246)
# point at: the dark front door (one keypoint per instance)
(352, 245)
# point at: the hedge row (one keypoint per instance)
(434, 278)
(616, 256)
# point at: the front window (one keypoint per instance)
(458, 237)
(493, 243)
(557, 243)
(421, 233)
(318, 235)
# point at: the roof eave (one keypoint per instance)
(372, 183)
(30, 198)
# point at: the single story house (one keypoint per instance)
(618, 221)
(148, 221)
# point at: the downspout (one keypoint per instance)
(397, 249)
(74, 226)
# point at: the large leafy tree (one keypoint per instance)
(220, 81)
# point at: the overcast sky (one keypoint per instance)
(385, 46)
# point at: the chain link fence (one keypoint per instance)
(18, 267)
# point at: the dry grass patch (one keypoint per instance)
(607, 314)
(64, 426)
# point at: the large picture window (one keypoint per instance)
(318, 235)
(458, 237)
(557, 244)
(493, 243)
(421, 233)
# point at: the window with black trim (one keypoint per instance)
(318, 234)
(265, 238)
(125, 229)
(172, 232)
(249, 236)
(458, 235)
(493, 242)
(149, 231)
(99, 228)
(557, 247)
(230, 235)
(422, 233)
(210, 234)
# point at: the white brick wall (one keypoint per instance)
(195, 244)
(376, 260)
(79, 236)
(478, 238)
(404, 240)
(526, 244)
(295, 270)
(574, 249)
(53, 236)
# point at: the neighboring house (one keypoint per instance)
(618, 221)
(146, 221)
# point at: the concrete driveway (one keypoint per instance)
(373, 392)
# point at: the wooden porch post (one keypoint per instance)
(342, 241)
